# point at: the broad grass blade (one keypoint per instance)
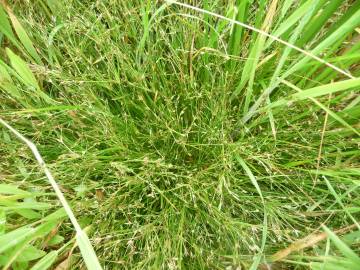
(46, 261)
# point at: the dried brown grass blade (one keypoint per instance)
(306, 242)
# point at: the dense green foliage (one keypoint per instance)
(180, 139)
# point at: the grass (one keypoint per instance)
(206, 135)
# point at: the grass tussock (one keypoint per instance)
(180, 138)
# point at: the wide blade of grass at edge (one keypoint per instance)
(257, 258)
(315, 92)
(23, 37)
(322, 106)
(350, 24)
(261, 32)
(345, 250)
(338, 200)
(85, 246)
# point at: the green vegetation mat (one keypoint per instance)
(205, 135)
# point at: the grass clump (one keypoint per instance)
(180, 139)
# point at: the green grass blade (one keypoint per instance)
(350, 12)
(257, 258)
(237, 31)
(30, 253)
(345, 28)
(22, 69)
(345, 250)
(13, 238)
(248, 74)
(285, 8)
(338, 200)
(46, 261)
(84, 243)
(5, 26)
(291, 21)
(318, 91)
(292, 40)
(13, 190)
(286, 52)
(28, 213)
(250, 175)
(6, 29)
(330, 112)
(24, 38)
(87, 251)
(26, 75)
(318, 21)
(147, 24)
(2, 222)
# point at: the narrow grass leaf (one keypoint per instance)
(266, 93)
(326, 89)
(257, 258)
(290, 21)
(345, 28)
(285, 7)
(349, 12)
(249, 174)
(5, 26)
(26, 205)
(248, 73)
(4, 74)
(6, 83)
(237, 31)
(55, 240)
(147, 23)
(57, 215)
